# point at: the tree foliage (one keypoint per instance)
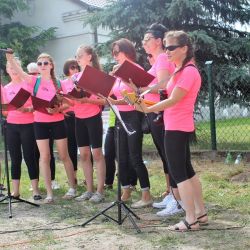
(25, 41)
(211, 24)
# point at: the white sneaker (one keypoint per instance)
(85, 196)
(167, 199)
(97, 198)
(171, 209)
(55, 185)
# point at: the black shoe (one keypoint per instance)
(37, 197)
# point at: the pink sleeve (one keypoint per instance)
(187, 78)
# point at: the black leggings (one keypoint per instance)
(178, 155)
(72, 145)
(130, 150)
(157, 133)
(20, 137)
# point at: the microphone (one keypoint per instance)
(8, 51)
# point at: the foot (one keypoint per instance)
(85, 196)
(142, 204)
(126, 194)
(48, 200)
(70, 194)
(171, 209)
(203, 219)
(37, 197)
(15, 195)
(55, 185)
(168, 199)
(184, 226)
(97, 198)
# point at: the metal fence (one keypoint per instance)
(222, 121)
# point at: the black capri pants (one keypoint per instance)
(178, 155)
(20, 137)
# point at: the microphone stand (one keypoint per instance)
(11, 199)
(121, 206)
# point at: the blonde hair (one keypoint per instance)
(52, 71)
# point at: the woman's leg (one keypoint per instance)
(85, 159)
(101, 168)
(44, 163)
(62, 148)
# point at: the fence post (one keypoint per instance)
(211, 105)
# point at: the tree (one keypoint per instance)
(25, 41)
(211, 24)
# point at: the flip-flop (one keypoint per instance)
(187, 229)
(48, 200)
(202, 223)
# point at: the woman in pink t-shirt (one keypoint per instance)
(51, 124)
(89, 130)
(20, 135)
(162, 69)
(130, 147)
(182, 90)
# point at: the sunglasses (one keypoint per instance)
(42, 63)
(74, 67)
(146, 39)
(172, 47)
(115, 52)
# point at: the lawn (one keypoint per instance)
(58, 226)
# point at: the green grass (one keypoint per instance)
(228, 205)
(232, 134)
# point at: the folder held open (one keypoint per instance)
(42, 105)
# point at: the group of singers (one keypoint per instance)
(77, 124)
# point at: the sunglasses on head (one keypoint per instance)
(146, 39)
(172, 47)
(115, 52)
(73, 67)
(42, 63)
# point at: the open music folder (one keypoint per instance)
(18, 101)
(42, 105)
(75, 93)
(96, 82)
(139, 76)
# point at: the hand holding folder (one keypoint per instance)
(96, 82)
(139, 76)
(43, 105)
(77, 94)
(18, 101)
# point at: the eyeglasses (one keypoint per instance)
(146, 39)
(115, 52)
(34, 73)
(42, 63)
(74, 67)
(172, 47)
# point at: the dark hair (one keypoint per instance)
(182, 39)
(94, 57)
(157, 30)
(68, 63)
(127, 47)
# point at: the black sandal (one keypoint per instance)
(202, 223)
(188, 227)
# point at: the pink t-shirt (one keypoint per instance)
(180, 116)
(161, 63)
(86, 110)
(15, 116)
(117, 91)
(46, 91)
(68, 85)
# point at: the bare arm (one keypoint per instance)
(176, 96)
(12, 61)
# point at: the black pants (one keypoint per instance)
(110, 156)
(157, 132)
(130, 150)
(20, 138)
(178, 155)
(72, 145)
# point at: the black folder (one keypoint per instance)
(96, 82)
(139, 76)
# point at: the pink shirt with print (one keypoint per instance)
(15, 116)
(46, 91)
(86, 110)
(161, 63)
(180, 116)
